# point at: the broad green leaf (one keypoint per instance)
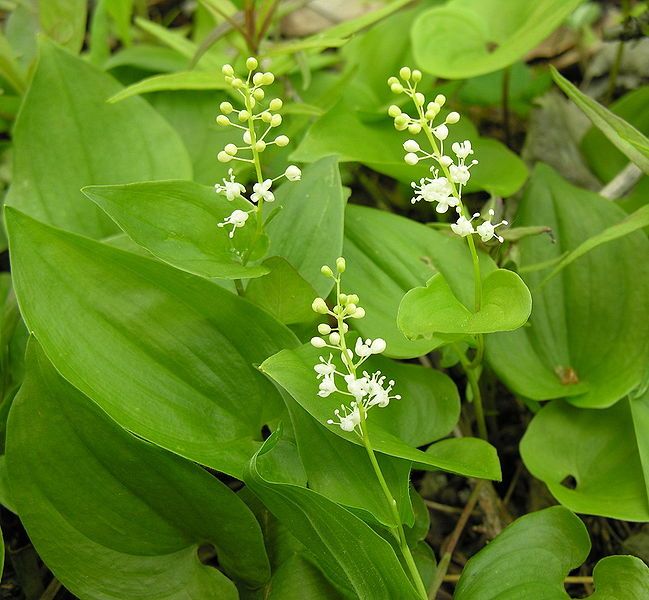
(297, 579)
(392, 254)
(147, 57)
(348, 551)
(465, 38)
(620, 578)
(185, 80)
(594, 461)
(67, 137)
(283, 292)
(624, 136)
(113, 516)
(308, 232)
(631, 223)
(9, 69)
(343, 473)
(168, 355)
(588, 332)
(373, 141)
(529, 559)
(177, 221)
(434, 309)
(293, 371)
(64, 21)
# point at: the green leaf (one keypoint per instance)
(9, 68)
(465, 38)
(529, 559)
(349, 552)
(635, 221)
(434, 309)
(297, 579)
(309, 230)
(620, 578)
(624, 136)
(581, 314)
(64, 21)
(283, 292)
(594, 461)
(293, 370)
(373, 141)
(185, 80)
(393, 254)
(177, 222)
(113, 516)
(67, 137)
(166, 354)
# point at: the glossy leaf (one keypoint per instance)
(620, 578)
(529, 559)
(283, 292)
(293, 370)
(66, 458)
(67, 137)
(177, 222)
(359, 560)
(185, 80)
(594, 461)
(434, 309)
(624, 136)
(297, 579)
(465, 38)
(308, 233)
(586, 340)
(393, 254)
(168, 355)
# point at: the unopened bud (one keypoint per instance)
(341, 265)
(319, 306)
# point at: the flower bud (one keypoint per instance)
(266, 116)
(319, 306)
(394, 111)
(231, 149)
(318, 342)
(275, 104)
(342, 298)
(359, 313)
(441, 132)
(226, 108)
(392, 80)
(405, 73)
(416, 75)
(419, 99)
(452, 118)
(227, 70)
(247, 139)
(293, 173)
(324, 329)
(222, 120)
(282, 140)
(341, 265)
(267, 78)
(440, 100)
(258, 94)
(260, 146)
(334, 338)
(276, 120)
(244, 115)
(446, 161)
(326, 271)
(411, 146)
(378, 346)
(251, 63)
(344, 328)
(351, 308)
(223, 157)
(236, 83)
(411, 158)
(401, 119)
(414, 128)
(396, 88)
(256, 78)
(352, 298)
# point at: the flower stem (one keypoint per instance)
(470, 369)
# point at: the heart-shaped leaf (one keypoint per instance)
(354, 556)
(293, 370)
(67, 136)
(177, 222)
(166, 354)
(594, 461)
(434, 309)
(465, 38)
(113, 516)
(620, 578)
(586, 340)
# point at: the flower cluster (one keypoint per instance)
(449, 173)
(256, 120)
(368, 390)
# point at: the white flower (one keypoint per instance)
(327, 386)
(369, 347)
(357, 387)
(441, 132)
(261, 191)
(434, 190)
(325, 368)
(463, 226)
(348, 420)
(459, 174)
(378, 395)
(292, 173)
(237, 219)
(462, 149)
(232, 189)
(487, 230)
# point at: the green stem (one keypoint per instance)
(505, 104)
(474, 383)
(238, 284)
(398, 531)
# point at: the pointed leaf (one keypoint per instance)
(67, 137)
(66, 458)
(166, 354)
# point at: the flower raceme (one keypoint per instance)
(256, 120)
(368, 390)
(450, 174)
